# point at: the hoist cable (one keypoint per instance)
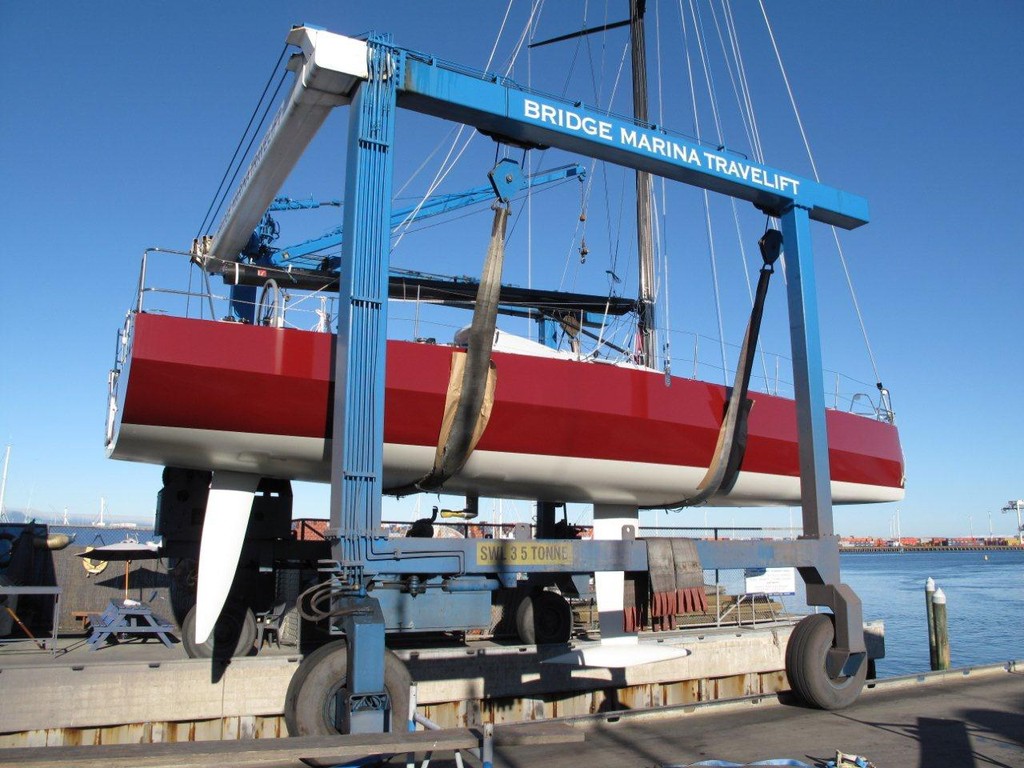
(814, 169)
(206, 219)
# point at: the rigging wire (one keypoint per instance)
(745, 108)
(814, 169)
(449, 163)
(207, 219)
(707, 202)
(738, 79)
(661, 232)
(614, 241)
(425, 163)
(252, 140)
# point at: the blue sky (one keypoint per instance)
(118, 120)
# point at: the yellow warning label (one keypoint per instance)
(523, 553)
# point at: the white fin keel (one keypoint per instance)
(224, 526)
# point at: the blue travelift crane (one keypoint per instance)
(359, 682)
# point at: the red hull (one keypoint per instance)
(229, 396)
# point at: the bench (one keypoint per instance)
(134, 619)
(84, 619)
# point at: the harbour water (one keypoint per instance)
(984, 597)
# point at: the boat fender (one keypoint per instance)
(93, 567)
(52, 541)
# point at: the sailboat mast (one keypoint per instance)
(3, 483)
(647, 341)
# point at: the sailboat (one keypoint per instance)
(206, 394)
(562, 426)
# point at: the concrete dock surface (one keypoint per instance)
(961, 719)
(935, 721)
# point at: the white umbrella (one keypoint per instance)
(124, 551)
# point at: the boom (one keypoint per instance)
(433, 206)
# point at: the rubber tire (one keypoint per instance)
(317, 680)
(544, 618)
(235, 630)
(805, 666)
(8, 552)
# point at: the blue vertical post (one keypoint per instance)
(243, 302)
(809, 391)
(823, 586)
(547, 333)
(360, 354)
(358, 421)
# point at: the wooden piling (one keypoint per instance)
(929, 593)
(941, 630)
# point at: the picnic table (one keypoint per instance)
(129, 618)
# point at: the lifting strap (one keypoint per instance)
(473, 376)
(676, 581)
(725, 463)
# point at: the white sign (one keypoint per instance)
(770, 581)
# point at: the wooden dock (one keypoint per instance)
(136, 692)
(957, 719)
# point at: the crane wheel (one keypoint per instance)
(7, 542)
(806, 653)
(234, 634)
(543, 618)
(311, 704)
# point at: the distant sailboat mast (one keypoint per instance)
(3, 485)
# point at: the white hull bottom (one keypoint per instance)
(487, 473)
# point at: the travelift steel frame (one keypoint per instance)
(377, 78)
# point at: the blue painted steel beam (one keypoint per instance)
(364, 697)
(288, 204)
(475, 557)
(358, 419)
(504, 109)
(808, 389)
(433, 206)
